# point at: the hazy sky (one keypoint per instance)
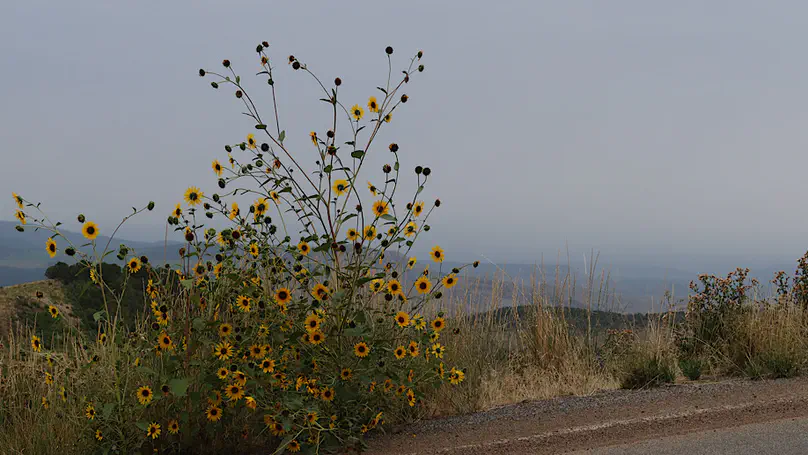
(642, 129)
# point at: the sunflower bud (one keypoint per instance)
(259, 48)
(144, 259)
(330, 133)
(242, 146)
(259, 163)
(201, 72)
(427, 171)
(393, 147)
(420, 68)
(264, 147)
(239, 94)
(19, 228)
(270, 81)
(418, 169)
(475, 264)
(296, 65)
(420, 54)
(226, 63)
(437, 202)
(228, 149)
(264, 43)
(386, 168)
(438, 295)
(215, 197)
(404, 98)
(70, 251)
(80, 218)
(426, 227)
(150, 207)
(214, 85)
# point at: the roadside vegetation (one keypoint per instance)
(304, 325)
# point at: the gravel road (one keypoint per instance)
(564, 425)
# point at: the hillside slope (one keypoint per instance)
(19, 303)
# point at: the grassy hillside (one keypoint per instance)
(20, 304)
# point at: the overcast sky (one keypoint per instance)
(650, 130)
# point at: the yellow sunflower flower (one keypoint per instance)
(145, 395)
(380, 208)
(36, 343)
(90, 230)
(283, 296)
(357, 112)
(456, 376)
(193, 196)
(423, 285)
(373, 106)
(402, 319)
(437, 254)
(133, 265)
(234, 211)
(213, 413)
(153, 431)
(449, 281)
(340, 187)
(369, 232)
(361, 349)
(303, 248)
(50, 247)
(418, 208)
(394, 287)
(217, 167)
(20, 217)
(17, 200)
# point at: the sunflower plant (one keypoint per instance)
(297, 321)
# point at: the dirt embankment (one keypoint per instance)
(574, 423)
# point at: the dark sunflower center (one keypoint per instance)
(423, 285)
(437, 254)
(356, 113)
(145, 393)
(166, 341)
(52, 247)
(90, 230)
(282, 295)
(192, 196)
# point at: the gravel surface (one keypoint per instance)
(571, 423)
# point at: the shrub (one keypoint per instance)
(643, 369)
(295, 327)
(691, 368)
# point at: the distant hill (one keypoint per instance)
(16, 275)
(27, 249)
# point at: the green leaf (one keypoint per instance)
(388, 217)
(142, 425)
(98, 315)
(358, 154)
(238, 79)
(395, 166)
(328, 169)
(199, 324)
(179, 387)
(260, 126)
(187, 284)
(282, 136)
(106, 411)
